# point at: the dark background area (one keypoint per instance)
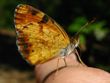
(72, 15)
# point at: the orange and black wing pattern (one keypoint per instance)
(39, 38)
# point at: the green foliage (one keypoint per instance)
(97, 29)
(77, 24)
(100, 31)
(7, 13)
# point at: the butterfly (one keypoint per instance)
(39, 37)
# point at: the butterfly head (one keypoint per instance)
(75, 41)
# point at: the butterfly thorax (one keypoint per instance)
(68, 50)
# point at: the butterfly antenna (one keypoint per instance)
(82, 28)
(75, 39)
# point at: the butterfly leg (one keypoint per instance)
(63, 57)
(63, 54)
(58, 63)
(57, 68)
(76, 52)
(64, 61)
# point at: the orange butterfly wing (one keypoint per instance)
(39, 38)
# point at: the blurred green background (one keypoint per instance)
(72, 15)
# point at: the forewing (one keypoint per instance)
(39, 38)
